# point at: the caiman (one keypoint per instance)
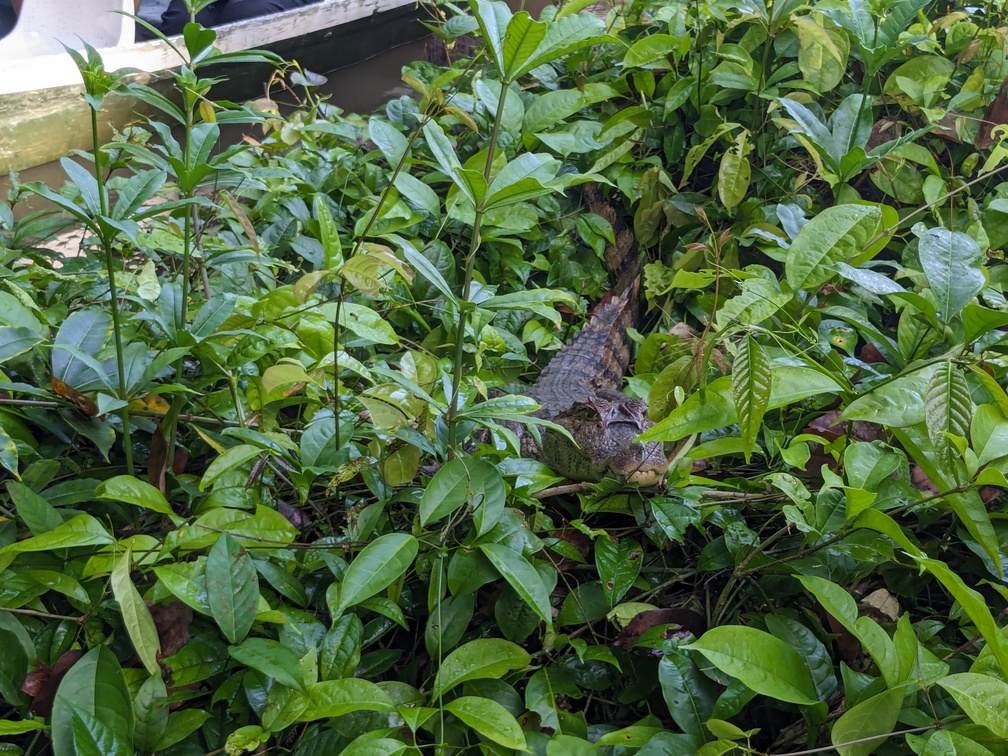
(580, 387)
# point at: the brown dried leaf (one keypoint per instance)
(172, 621)
(686, 619)
(42, 684)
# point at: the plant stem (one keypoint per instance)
(463, 318)
(106, 242)
(172, 432)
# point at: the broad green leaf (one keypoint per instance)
(651, 49)
(19, 727)
(230, 459)
(334, 698)
(16, 660)
(493, 18)
(82, 530)
(136, 616)
(707, 409)
(273, 659)
(16, 340)
(92, 737)
(86, 331)
(479, 659)
(447, 159)
(151, 708)
(521, 40)
(953, 265)
(564, 35)
(752, 380)
(852, 733)
(984, 699)
(367, 324)
(522, 576)
(949, 743)
(232, 587)
(822, 53)
(837, 234)
(734, 174)
(489, 719)
(758, 300)
(38, 514)
(377, 566)
(389, 140)
(328, 234)
(689, 694)
(763, 663)
(139, 493)
(947, 411)
(618, 565)
(464, 480)
(96, 686)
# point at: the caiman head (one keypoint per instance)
(606, 427)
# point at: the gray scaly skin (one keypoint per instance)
(580, 387)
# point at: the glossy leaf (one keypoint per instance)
(232, 587)
(136, 616)
(378, 565)
(760, 661)
(752, 382)
(478, 659)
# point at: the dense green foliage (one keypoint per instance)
(313, 344)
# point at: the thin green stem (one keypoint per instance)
(172, 432)
(464, 304)
(106, 241)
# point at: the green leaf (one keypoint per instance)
(82, 530)
(706, 410)
(953, 266)
(377, 566)
(334, 698)
(464, 480)
(92, 737)
(38, 514)
(874, 716)
(151, 708)
(232, 587)
(947, 411)
(16, 340)
(389, 140)
(822, 54)
(483, 658)
(521, 40)
(975, 606)
(271, 658)
(761, 662)
(734, 174)
(522, 576)
(751, 385)
(984, 699)
(136, 616)
(689, 694)
(651, 49)
(493, 19)
(230, 459)
(472, 186)
(19, 727)
(837, 234)
(96, 686)
(618, 565)
(86, 331)
(19, 654)
(139, 493)
(489, 719)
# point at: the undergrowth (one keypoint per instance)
(264, 491)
